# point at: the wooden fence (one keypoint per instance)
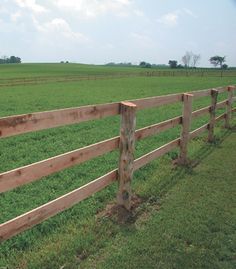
(15, 125)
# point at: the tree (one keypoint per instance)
(195, 59)
(224, 66)
(145, 65)
(142, 64)
(217, 60)
(173, 63)
(190, 59)
(12, 59)
(187, 58)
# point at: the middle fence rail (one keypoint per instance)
(15, 125)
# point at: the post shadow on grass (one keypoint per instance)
(167, 181)
(198, 157)
(207, 148)
(140, 204)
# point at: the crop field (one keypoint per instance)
(69, 238)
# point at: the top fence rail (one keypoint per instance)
(19, 124)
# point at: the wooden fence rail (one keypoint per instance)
(15, 125)
(29, 173)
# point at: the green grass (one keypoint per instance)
(47, 70)
(53, 69)
(192, 226)
(42, 246)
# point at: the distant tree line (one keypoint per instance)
(174, 64)
(191, 60)
(120, 64)
(145, 65)
(142, 64)
(10, 60)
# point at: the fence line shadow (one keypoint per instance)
(179, 172)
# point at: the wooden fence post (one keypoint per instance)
(186, 123)
(126, 160)
(214, 94)
(229, 107)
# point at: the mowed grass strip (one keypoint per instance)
(192, 226)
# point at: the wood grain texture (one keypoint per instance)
(221, 89)
(229, 107)
(157, 101)
(220, 117)
(157, 128)
(214, 94)
(29, 173)
(207, 92)
(198, 131)
(145, 159)
(201, 112)
(127, 147)
(221, 104)
(20, 124)
(201, 93)
(186, 123)
(32, 172)
(36, 216)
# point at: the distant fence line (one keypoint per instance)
(125, 142)
(147, 73)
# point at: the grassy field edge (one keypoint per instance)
(192, 226)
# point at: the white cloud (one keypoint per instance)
(138, 13)
(3, 9)
(32, 5)
(189, 12)
(142, 40)
(169, 19)
(59, 27)
(108, 46)
(15, 16)
(94, 8)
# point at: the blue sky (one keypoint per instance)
(101, 31)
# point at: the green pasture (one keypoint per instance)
(192, 226)
(32, 70)
(64, 70)
(70, 238)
